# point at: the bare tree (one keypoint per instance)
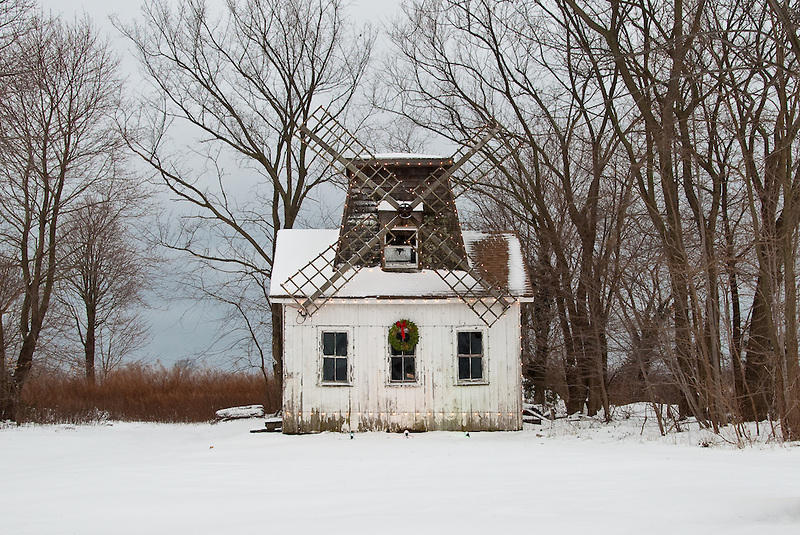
(58, 140)
(465, 64)
(13, 22)
(10, 292)
(763, 90)
(106, 272)
(654, 81)
(245, 79)
(653, 164)
(12, 14)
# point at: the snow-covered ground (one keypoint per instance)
(567, 477)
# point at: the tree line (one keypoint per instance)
(70, 270)
(653, 173)
(648, 164)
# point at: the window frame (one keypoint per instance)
(484, 378)
(322, 356)
(400, 266)
(404, 355)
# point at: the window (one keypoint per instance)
(402, 366)
(400, 250)
(470, 356)
(334, 357)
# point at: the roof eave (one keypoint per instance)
(283, 299)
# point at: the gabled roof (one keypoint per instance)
(497, 256)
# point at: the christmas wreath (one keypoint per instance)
(403, 335)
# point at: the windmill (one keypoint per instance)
(404, 228)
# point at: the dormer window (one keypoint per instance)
(400, 249)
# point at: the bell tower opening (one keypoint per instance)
(400, 249)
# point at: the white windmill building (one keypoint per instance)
(399, 320)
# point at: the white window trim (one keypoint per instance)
(321, 356)
(484, 356)
(417, 367)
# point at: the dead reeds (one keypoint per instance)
(143, 393)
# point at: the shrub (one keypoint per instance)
(144, 393)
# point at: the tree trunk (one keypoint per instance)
(90, 343)
(740, 393)
(6, 393)
(757, 370)
(577, 390)
(22, 369)
(541, 318)
(277, 344)
(790, 367)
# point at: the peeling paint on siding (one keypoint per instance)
(370, 402)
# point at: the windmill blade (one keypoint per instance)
(486, 301)
(337, 145)
(491, 157)
(321, 125)
(460, 161)
(309, 279)
(311, 287)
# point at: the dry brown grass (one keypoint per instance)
(143, 393)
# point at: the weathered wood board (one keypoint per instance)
(369, 401)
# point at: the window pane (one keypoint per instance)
(328, 343)
(397, 369)
(328, 371)
(476, 343)
(463, 343)
(341, 370)
(477, 368)
(341, 344)
(410, 372)
(463, 368)
(470, 343)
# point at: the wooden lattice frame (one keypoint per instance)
(311, 288)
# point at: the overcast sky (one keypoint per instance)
(179, 330)
(375, 12)
(368, 10)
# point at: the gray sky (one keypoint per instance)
(367, 10)
(178, 329)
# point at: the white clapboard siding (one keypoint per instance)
(370, 402)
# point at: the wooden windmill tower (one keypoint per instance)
(400, 214)
(398, 255)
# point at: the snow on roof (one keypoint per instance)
(409, 156)
(297, 248)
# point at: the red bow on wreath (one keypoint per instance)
(402, 325)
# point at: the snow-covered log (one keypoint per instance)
(246, 411)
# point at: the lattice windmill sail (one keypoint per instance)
(397, 218)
